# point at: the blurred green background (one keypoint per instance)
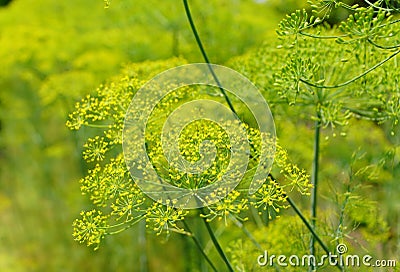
(54, 52)
(51, 54)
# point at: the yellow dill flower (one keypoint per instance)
(127, 205)
(233, 204)
(110, 186)
(270, 198)
(90, 229)
(164, 218)
(95, 149)
(103, 184)
(295, 177)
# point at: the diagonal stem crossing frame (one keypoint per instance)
(206, 59)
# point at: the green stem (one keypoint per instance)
(311, 229)
(217, 245)
(314, 180)
(124, 228)
(143, 260)
(246, 231)
(322, 37)
(339, 229)
(382, 46)
(204, 54)
(198, 245)
(380, 8)
(297, 211)
(307, 224)
(96, 125)
(251, 237)
(353, 79)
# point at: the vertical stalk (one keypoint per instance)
(199, 247)
(308, 225)
(188, 254)
(204, 54)
(143, 262)
(201, 238)
(297, 211)
(314, 181)
(364, 80)
(218, 246)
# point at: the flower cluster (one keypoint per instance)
(193, 174)
(119, 200)
(296, 178)
(270, 198)
(308, 75)
(233, 204)
(95, 149)
(164, 218)
(91, 228)
(108, 182)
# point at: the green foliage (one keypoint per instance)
(305, 73)
(284, 236)
(344, 77)
(337, 76)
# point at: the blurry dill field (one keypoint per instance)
(55, 53)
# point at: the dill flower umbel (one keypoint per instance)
(161, 218)
(95, 149)
(270, 198)
(203, 156)
(233, 204)
(90, 228)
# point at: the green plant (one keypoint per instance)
(335, 74)
(121, 204)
